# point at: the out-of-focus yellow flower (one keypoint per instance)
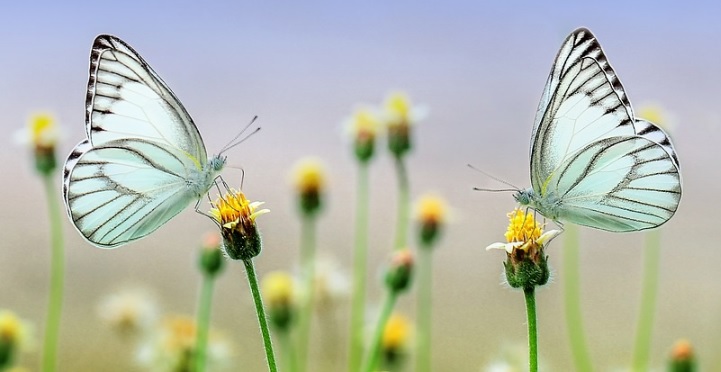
(280, 299)
(309, 180)
(14, 337)
(363, 126)
(658, 115)
(527, 264)
(41, 135)
(682, 357)
(172, 346)
(400, 114)
(129, 311)
(396, 337)
(431, 213)
(236, 216)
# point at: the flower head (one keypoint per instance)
(129, 311)
(432, 213)
(525, 242)
(14, 337)
(309, 180)
(41, 135)
(172, 346)
(682, 356)
(279, 293)
(331, 284)
(398, 276)
(236, 217)
(363, 126)
(396, 337)
(399, 116)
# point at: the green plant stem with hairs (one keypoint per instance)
(404, 201)
(57, 276)
(374, 353)
(532, 328)
(307, 253)
(360, 263)
(260, 311)
(572, 299)
(204, 306)
(423, 310)
(649, 289)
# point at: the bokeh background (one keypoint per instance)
(301, 67)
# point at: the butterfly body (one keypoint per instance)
(144, 160)
(592, 162)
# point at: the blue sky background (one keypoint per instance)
(301, 67)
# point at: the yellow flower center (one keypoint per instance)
(234, 210)
(180, 333)
(43, 131)
(364, 124)
(522, 227)
(396, 333)
(10, 326)
(399, 106)
(309, 177)
(278, 289)
(431, 210)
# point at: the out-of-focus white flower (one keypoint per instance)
(129, 311)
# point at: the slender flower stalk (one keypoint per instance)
(647, 309)
(431, 216)
(400, 115)
(364, 128)
(572, 300)
(309, 181)
(526, 267)
(42, 135)
(211, 264)
(236, 215)
(397, 280)
(278, 289)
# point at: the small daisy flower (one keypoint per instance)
(129, 311)
(14, 337)
(363, 126)
(278, 288)
(396, 338)
(331, 283)
(236, 217)
(42, 135)
(527, 264)
(309, 180)
(400, 115)
(172, 346)
(432, 215)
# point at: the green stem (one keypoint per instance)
(360, 263)
(424, 305)
(289, 358)
(307, 253)
(57, 277)
(572, 299)
(204, 305)
(403, 204)
(652, 259)
(373, 355)
(532, 329)
(260, 311)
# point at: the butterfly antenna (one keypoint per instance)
(514, 187)
(235, 141)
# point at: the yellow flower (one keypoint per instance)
(363, 126)
(527, 264)
(309, 180)
(396, 334)
(172, 346)
(399, 115)
(278, 289)
(236, 217)
(41, 135)
(129, 311)
(523, 232)
(14, 337)
(431, 213)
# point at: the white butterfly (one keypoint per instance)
(143, 161)
(592, 162)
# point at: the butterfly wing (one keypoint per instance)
(123, 190)
(132, 173)
(592, 162)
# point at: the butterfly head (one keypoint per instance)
(217, 162)
(524, 197)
